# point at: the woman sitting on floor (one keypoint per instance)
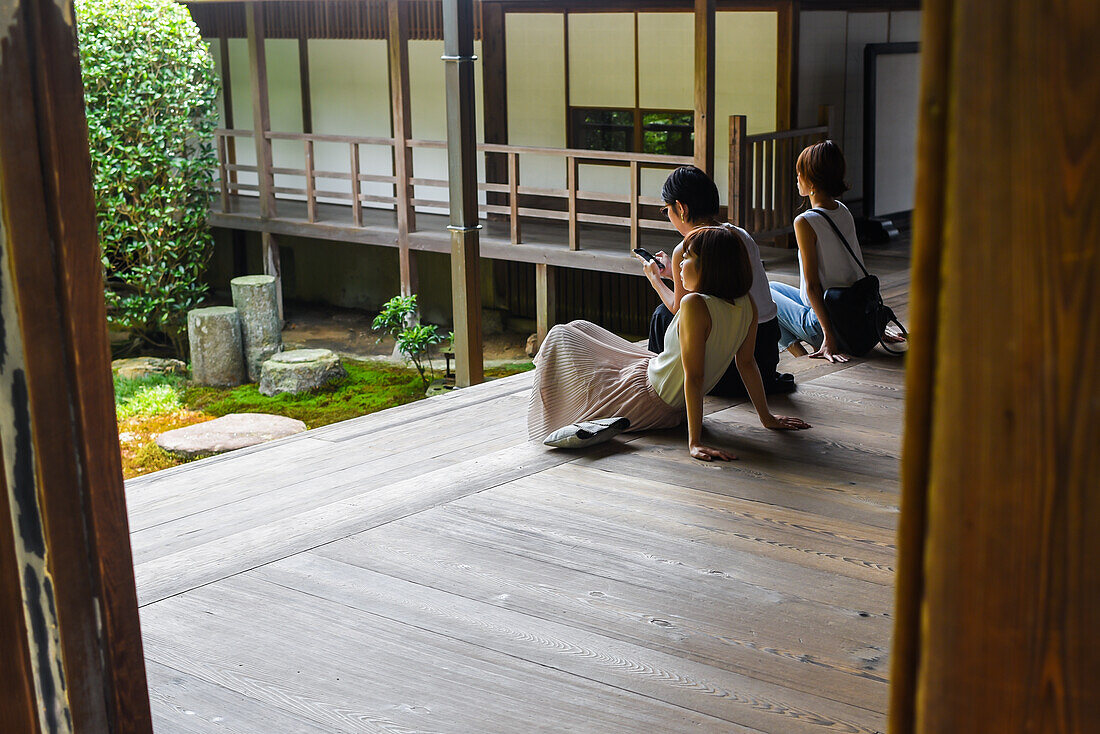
(584, 372)
(691, 201)
(823, 259)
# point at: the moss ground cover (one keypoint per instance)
(153, 405)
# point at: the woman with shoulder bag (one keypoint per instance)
(829, 256)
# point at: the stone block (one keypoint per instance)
(215, 337)
(255, 297)
(235, 431)
(137, 367)
(299, 370)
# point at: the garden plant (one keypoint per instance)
(150, 92)
(414, 340)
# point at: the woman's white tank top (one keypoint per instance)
(835, 267)
(729, 324)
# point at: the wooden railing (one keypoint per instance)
(572, 195)
(763, 193)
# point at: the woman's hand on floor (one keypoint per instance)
(705, 453)
(892, 338)
(784, 423)
(830, 353)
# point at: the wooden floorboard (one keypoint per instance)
(426, 569)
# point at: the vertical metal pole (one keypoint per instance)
(458, 53)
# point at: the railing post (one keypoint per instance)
(513, 195)
(311, 194)
(223, 172)
(356, 202)
(545, 300)
(571, 186)
(737, 182)
(635, 192)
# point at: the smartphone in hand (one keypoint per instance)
(647, 256)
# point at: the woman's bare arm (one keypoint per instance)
(807, 250)
(694, 329)
(745, 358)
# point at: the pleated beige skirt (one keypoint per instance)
(583, 372)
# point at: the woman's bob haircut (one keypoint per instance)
(724, 267)
(822, 166)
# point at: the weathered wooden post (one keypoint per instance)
(458, 49)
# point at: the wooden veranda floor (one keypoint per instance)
(425, 569)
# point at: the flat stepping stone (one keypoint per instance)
(138, 367)
(235, 431)
(300, 370)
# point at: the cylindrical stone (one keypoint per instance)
(261, 335)
(300, 370)
(215, 337)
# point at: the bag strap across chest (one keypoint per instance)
(843, 239)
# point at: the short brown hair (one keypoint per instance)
(822, 166)
(724, 267)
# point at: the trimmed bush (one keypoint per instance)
(150, 90)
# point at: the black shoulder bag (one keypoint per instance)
(857, 313)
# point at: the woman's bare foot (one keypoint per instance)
(796, 349)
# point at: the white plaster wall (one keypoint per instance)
(863, 28)
(745, 79)
(822, 59)
(904, 26)
(666, 61)
(535, 57)
(601, 74)
(897, 80)
(428, 103)
(242, 108)
(284, 91)
(350, 95)
(666, 73)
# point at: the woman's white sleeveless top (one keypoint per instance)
(835, 267)
(729, 324)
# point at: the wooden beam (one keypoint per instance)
(786, 97)
(494, 74)
(704, 84)
(458, 45)
(63, 495)
(998, 599)
(738, 181)
(261, 124)
(303, 83)
(400, 105)
(261, 109)
(546, 302)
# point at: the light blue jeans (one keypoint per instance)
(797, 320)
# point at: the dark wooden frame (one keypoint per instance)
(871, 52)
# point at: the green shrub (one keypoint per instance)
(414, 340)
(150, 90)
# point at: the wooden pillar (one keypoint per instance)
(998, 596)
(261, 125)
(704, 84)
(546, 302)
(458, 43)
(400, 103)
(70, 644)
(303, 85)
(495, 95)
(786, 97)
(738, 181)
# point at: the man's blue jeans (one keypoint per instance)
(797, 320)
